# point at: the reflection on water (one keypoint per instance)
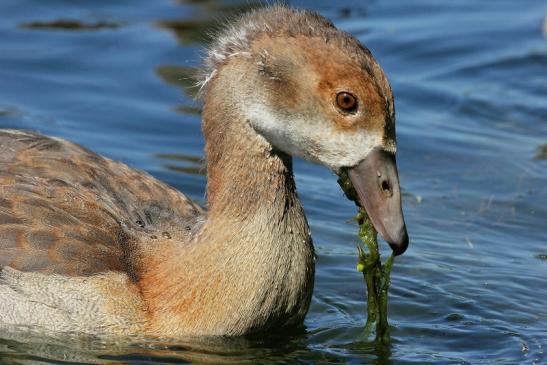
(10, 112)
(200, 30)
(541, 152)
(469, 82)
(181, 76)
(186, 109)
(65, 24)
(25, 346)
(188, 31)
(184, 78)
(197, 164)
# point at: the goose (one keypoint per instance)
(90, 245)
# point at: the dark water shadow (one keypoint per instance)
(29, 346)
(541, 152)
(189, 31)
(183, 77)
(379, 354)
(187, 109)
(70, 25)
(10, 112)
(212, 16)
(186, 164)
(186, 80)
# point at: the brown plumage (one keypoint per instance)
(88, 244)
(69, 211)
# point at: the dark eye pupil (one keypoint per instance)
(346, 101)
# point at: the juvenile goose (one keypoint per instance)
(90, 245)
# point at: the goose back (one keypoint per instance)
(69, 211)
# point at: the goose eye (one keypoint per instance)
(346, 101)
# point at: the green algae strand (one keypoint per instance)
(376, 275)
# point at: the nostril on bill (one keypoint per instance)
(386, 188)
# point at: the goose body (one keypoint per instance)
(90, 245)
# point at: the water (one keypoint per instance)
(470, 83)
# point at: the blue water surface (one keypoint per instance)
(470, 84)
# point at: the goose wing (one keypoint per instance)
(67, 210)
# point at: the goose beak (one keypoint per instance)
(376, 182)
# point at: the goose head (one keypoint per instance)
(313, 91)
